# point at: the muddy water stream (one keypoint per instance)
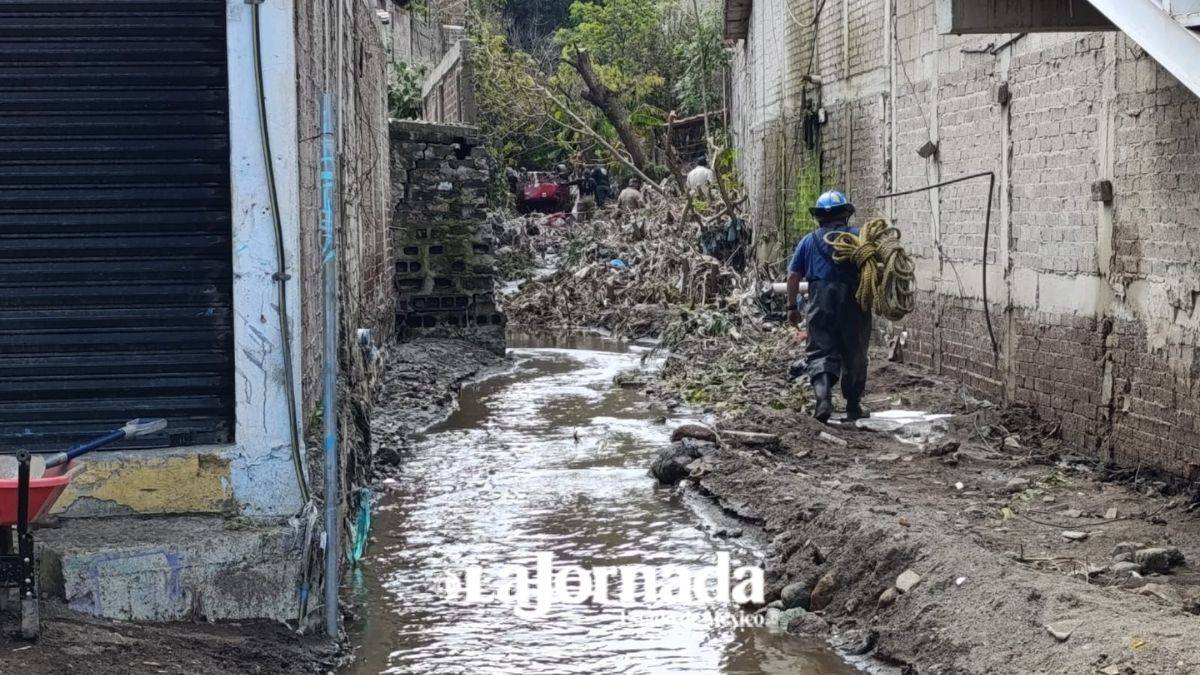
(551, 457)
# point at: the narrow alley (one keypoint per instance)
(742, 337)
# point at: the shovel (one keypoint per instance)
(39, 463)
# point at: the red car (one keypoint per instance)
(541, 192)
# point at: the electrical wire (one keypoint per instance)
(281, 276)
(987, 229)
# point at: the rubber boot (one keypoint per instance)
(823, 387)
(854, 411)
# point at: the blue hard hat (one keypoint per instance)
(831, 205)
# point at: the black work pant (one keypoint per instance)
(839, 332)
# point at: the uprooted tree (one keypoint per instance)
(623, 67)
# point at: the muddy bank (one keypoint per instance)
(73, 643)
(419, 387)
(1020, 556)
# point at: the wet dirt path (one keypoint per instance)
(551, 458)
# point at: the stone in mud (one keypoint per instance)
(784, 617)
(805, 623)
(1124, 568)
(943, 449)
(822, 593)
(672, 464)
(906, 581)
(795, 595)
(694, 431)
(1061, 632)
(888, 597)
(632, 378)
(859, 642)
(1160, 559)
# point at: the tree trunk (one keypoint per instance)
(606, 100)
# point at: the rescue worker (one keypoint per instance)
(631, 199)
(699, 179)
(603, 185)
(839, 330)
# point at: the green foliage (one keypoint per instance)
(622, 37)
(647, 52)
(804, 195)
(404, 91)
(520, 125)
(701, 57)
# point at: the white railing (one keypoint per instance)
(1186, 12)
(1153, 25)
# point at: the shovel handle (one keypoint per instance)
(132, 429)
(143, 426)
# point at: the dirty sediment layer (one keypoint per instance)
(1015, 556)
(420, 386)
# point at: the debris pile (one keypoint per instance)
(651, 274)
(632, 274)
(736, 372)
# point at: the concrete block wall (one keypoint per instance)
(443, 244)
(1093, 304)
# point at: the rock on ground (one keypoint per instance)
(673, 463)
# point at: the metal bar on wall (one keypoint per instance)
(329, 272)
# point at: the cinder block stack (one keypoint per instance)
(442, 241)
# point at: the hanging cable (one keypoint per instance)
(281, 276)
(987, 229)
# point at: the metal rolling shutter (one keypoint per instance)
(115, 250)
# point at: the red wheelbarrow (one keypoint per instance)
(27, 497)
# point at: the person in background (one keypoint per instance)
(699, 178)
(603, 185)
(839, 330)
(585, 196)
(630, 199)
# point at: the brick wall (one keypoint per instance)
(1093, 305)
(441, 238)
(358, 81)
(448, 92)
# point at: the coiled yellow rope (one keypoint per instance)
(886, 273)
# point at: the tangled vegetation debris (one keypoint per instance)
(648, 275)
(730, 375)
(636, 275)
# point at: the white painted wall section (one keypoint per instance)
(264, 480)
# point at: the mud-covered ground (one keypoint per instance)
(420, 382)
(1021, 549)
(420, 387)
(73, 643)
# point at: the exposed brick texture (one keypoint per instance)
(440, 235)
(1094, 307)
(365, 275)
